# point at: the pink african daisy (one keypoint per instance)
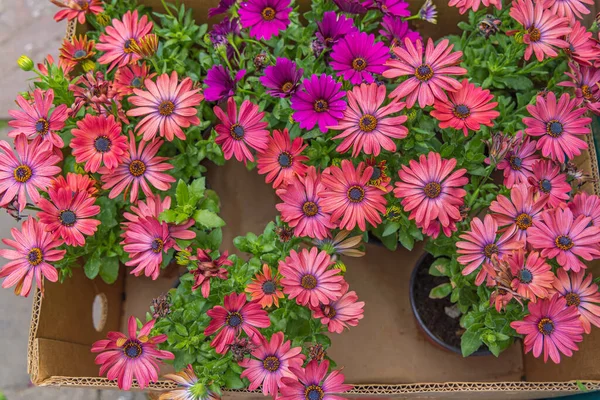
(77, 9)
(26, 170)
(562, 236)
(518, 162)
(468, 108)
(265, 288)
(552, 327)
(282, 160)
(33, 251)
(341, 313)
(357, 56)
(558, 124)
(543, 28)
(466, 5)
(74, 51)
(265, 18)
(188, 386)
(131, 77)
(533, 276)
(431, 189)
(133, 356)
(301, 207)
(367, 125)
(428, 74)
(587, 205)
(579, 290)
(235, 315)
(117, 40)
(208, 268)
(583, 48)
(69, 214)
(313, 383)
(570, 9)
(97, 140)
(585, 81)
(75, 182)
(547, 180)
(349, 197)
(307, 279)
(140, 166)
(167, 107)
(238, 131)
(478, 245)
(518, 213)
(39, 118)
(272, 361)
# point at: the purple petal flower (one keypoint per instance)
(220, 85)
(220, 33)
(333, 27)
(428, 12)
(265, 18)
(352, 6)
(398, 8)
(282, 78)
(358, 56)
(222, 8)
(395, 30)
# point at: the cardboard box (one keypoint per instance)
(385, 355)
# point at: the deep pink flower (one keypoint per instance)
(75, 182)
(265, 18)
(167, 106)
(333, 27)
(579, 290)
(585, 81)
(357, 56)
(543, 28)
(97, 140)
(341, 313)
(220, 85)
(145, 241)
(431, 189)
(468, 108)
(558, 124)
(428, 74)
(33, 250)
(282, 79)
(313, 383)
(518, 213)
(222, 8)
(74, 51)
(551, 327)
(235, 315)
(96, 93)
(77, 9)
(548, 181)
(583, 48)
(349, 198)
(126, 357)
(478, 245)
(533, 276)
(466, 5)
(307, 279)
(208, 268)
(395, 30)
(398, 8)
(265, 288)
(367, 125)
(272, 361)
(38, 118)
(188, 387)
(26, 170)
(117, 40)
(139, 167)
(131, 77)
(301, 207)
(558, 234)
(518, 162)
(587, 205)
(570, 9)
(282, 160)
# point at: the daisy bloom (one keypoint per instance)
(478, 245)
(167, 106)
(136, 355)
(265, 288)
(533, 276)
(25, 170)
(208, 268)
(466, 5)
(237, 132)
(77, 9)
(74, 52)
(313, 383)
(220, 85)
(222, 33)
(543, 28)
(518, 213)
(69, 214)
(587, 205)
(519, 160)
(307, 279)
(98, 140)
(367, 125)
(302, 208)
(265, 18)
(222, 8)
(349, 198)
(39, 118)
(558, 234)
(395, 30)
(189, 387)
(428, 12)
(548, 181)
(235, 315)
(341, 313)
(428, 74)
(397, 8)
(75, 183)
(558, 124)
(583, 48)
(570, 9)
(131, 77)
(319, 102)
(379, 178)
(341, 245)
(579, 290)
(272, 361)
(352, 6)
(139, 166)
(468, 108)
(282, 160)
(33, 249)
(282, 79)
(431, 189)
(357, 56)
(333, 27)
(552, 327)
(117, 40)
(584, 81)
(145, 241)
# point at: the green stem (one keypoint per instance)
(158, 70)
(248, 92)
(236, 51)
(416, 16)
(164, 3)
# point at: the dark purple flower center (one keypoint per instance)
(136, 82)
(234, 319)
(432, 190)
(308, 282)
(67, 218)
(359, 64)
(523, 221)
(132, 349)
(328, 311)
(313, 392)
(490, 249)
(546, 326)
(268, 13)
(271, 363)
(424, 72)
(564, 242)
(35, 256)
(127, 45)
(166, 108)
(157, 245)
(515, 162)
(534, 34)
(554, 128)
(137, 168)
(22, 173)
(237, 131)
(268, 287)
(285, 159)
(572, 299)
(42, 126)
(310, 209)
(525, 276)
(367, 123)
(80, 54)
(545, 185)
(102, 144)
(320, 105)
(376, 174)
(461, 111)
(355, 194)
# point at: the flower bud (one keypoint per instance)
(103, 19)
(88, 65)
(25, 63)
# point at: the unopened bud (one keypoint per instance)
(25, 63)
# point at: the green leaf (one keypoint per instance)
(180, 329)
(470, 342)
(440, 291)
(232, 380)
(109, 270)
(208, 219)
(182, 194)
(581, 386)
(406, 240)
(439, 267)
(92, 266)
(390, 228)
(197, 188)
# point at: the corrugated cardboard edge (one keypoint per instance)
(362, 389)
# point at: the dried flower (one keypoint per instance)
(161, 306)
(284, 233)
(316, 352)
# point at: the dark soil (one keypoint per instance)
(432, 312)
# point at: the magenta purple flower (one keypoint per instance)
(358, 56)
(398, 8)
(395, 30)
(222, 8)
(220, 33)
(282, 79)
(352, 6)
(319, 102)
(265, 18)
(220, 84)
(333, 27)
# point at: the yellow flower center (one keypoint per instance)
(523, 221)
(424, 72)
(545, 326)
(166, 108)
(308, 282)
(22, 173)
(268, 14)
(367, 123)
(432, 190)
(359, 64)
(35, 256)
(310, 209)
(564, 242)
(137, 168)
(534, 34)
(271, 363)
